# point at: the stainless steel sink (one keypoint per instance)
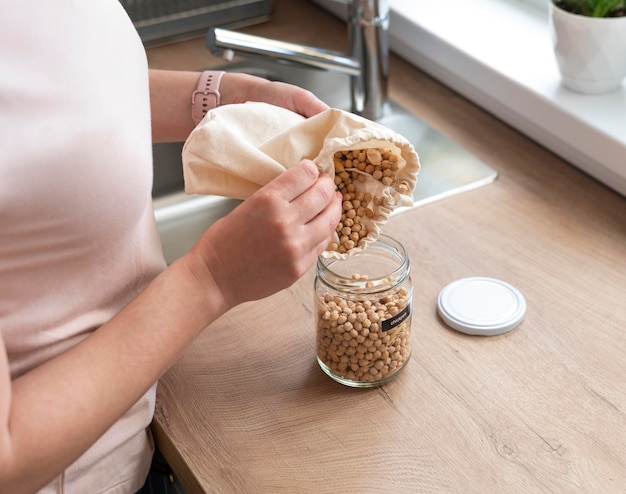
(447, 169)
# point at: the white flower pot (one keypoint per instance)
(590, 51)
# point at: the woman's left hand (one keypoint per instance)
(171, 90)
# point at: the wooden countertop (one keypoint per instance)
(540, 409)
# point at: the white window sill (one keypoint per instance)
(498, 53)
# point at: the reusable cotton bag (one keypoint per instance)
(237, 149)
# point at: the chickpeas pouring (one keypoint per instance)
(358, 166)
(363, 325)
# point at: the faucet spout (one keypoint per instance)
(366, 64)
(218, 39)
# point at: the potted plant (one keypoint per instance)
(589, 39)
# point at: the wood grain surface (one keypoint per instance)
(540, 409)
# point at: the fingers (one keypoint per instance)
(306, 103)
(306, 189)
(323, 224)
(295, 181)
(297, 99)
(316, 211)
(238, 88)
(315, 201)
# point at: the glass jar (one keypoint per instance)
(363, 314)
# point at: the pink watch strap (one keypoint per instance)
(207, 95)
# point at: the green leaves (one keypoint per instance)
(594, 8)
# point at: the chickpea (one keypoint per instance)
(374, 156)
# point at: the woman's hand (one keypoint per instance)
(239, 88)
(271, 239)
(171, 90)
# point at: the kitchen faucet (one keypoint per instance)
(366, 63)
(447, 168)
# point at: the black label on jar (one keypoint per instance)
(392, 322)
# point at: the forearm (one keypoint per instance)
(170, 104)
(56, 412)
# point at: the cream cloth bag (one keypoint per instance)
(237, 149)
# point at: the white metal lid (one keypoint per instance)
(481, 306)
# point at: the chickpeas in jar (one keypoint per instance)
(363, 314)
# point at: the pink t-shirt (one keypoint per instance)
(78, 238)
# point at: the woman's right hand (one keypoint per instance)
(272, 238)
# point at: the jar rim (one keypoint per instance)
(325, 272)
